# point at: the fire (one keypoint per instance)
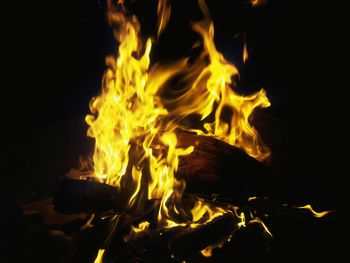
(314, 213)
(99, 257)
(134, 126)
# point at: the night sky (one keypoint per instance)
(54, 60)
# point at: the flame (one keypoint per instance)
(208, 92)
(163, 182)
(164, 11)
(245, 50)
(142, 226)
(134, 125)
(259, 221)
(208, 251)
(314, 213)
(135, 230)
(125, 109)
(201, 211)
(99, 256)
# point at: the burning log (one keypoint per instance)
(215, 166)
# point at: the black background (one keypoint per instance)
(53, 58)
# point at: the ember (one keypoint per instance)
(135, 124)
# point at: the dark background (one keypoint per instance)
(54, 59)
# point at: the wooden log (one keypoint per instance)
(218, 167)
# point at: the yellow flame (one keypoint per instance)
(251, 198)
(208, 92)
(242, 217)
(142, 226)
(201, 211)
(258, 220)
(125, 109)
(99, 256)
(208, 251)
(163, 183)
(135, 230)
(314, 213)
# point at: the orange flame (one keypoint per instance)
(245, 50)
